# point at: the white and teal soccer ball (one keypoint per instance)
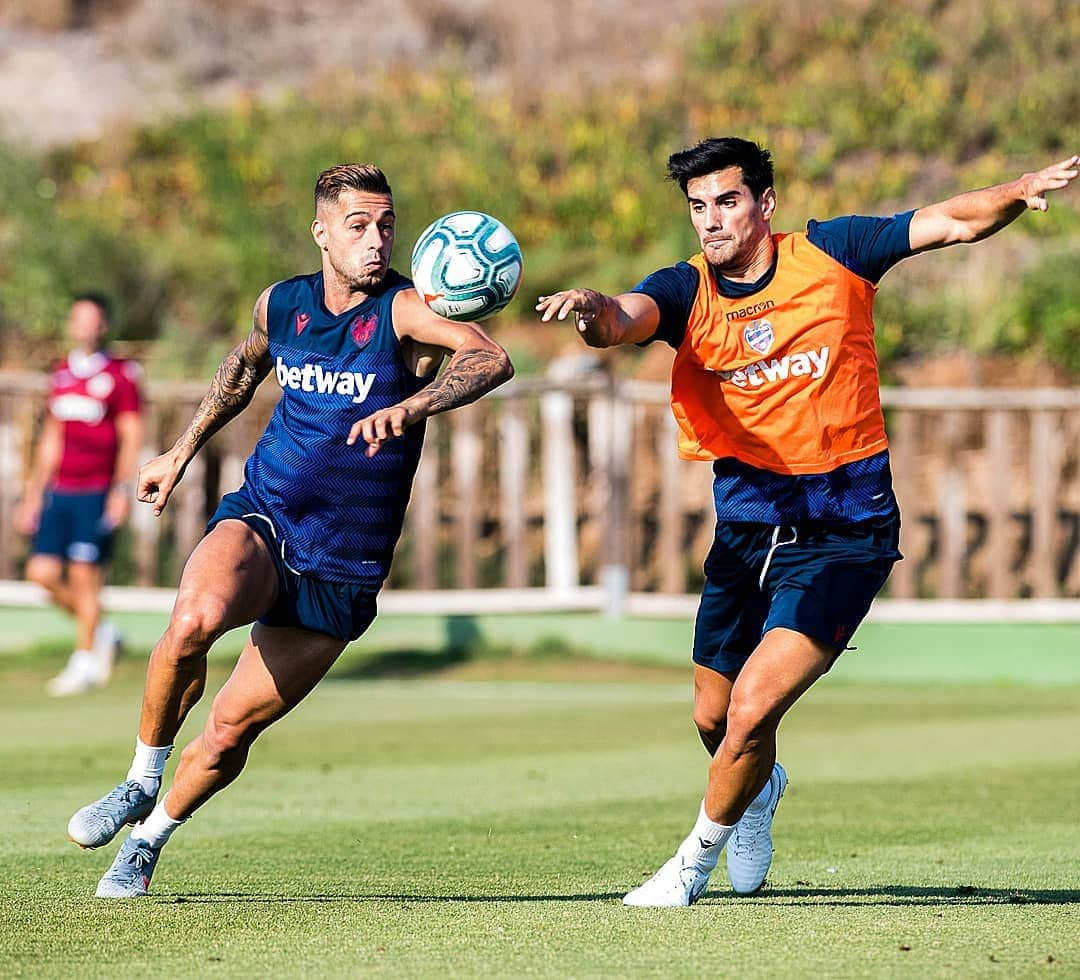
(466, 265)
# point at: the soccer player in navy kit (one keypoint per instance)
(302, 548)
(775, 381)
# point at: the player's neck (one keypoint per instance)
(751, 267)
(340, 295)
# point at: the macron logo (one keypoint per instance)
(812, 363)
(313, 377)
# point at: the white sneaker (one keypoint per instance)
(78, 676)
(750, 847)
(678, 883)
(107, 644)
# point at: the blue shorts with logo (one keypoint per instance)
(816, 578)
(343, 610)
(73, 527)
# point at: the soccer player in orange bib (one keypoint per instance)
(775, 381)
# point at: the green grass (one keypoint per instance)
(461, 824)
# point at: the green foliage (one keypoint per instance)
(869, 107)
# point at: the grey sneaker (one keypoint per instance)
(99, 822)
(750, 846)
(131, 870)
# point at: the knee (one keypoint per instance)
(749, 724)
(194, 626)
(45, 575)
(711, 721)
(224, 740)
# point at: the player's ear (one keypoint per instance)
(318, 232)
(768, 203)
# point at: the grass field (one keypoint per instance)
(485, 816)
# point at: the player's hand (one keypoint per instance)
(28, 516)
(377, 428)
(587, 305)
(117, 506)
(158, 479)
(1033, 187)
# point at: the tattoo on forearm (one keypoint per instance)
(470, 374)
(231, 389)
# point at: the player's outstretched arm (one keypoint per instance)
(604, 321)
(477, 365)
(976, 215)
(231, 390)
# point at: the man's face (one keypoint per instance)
(356, 234)
(727, 219)
(87, 326)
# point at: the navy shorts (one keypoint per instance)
(817, 579)
(343, 610)
(73, 527)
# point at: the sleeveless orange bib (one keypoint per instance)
(785, 380)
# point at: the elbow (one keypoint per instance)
(505, 368)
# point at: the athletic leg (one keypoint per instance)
(777, 673)
(276, 670)
(228, 581)
(84, 581)
(48, 572)
(784, 665)
(712, 695)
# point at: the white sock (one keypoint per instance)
(705, 842)
(157, 828)
(148, 766)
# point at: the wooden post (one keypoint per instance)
(189, 505)
(513, 478)
(999, 460)
(615, 567)
(11, 484)
(952, 511)
(902, 581)
(1045, 491)
(423, 517)
(560, 496)
(669, 538)
(465, 456)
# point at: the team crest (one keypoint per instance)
(362, 329)
(759, 336)
(302, 320)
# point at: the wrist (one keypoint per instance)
(120, 486)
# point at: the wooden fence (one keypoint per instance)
(577, 483)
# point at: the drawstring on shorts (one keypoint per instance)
(776, 543)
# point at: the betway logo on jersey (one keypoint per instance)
(811, 362)
(314, 377)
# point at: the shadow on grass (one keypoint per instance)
(892, 895)
(462, 643)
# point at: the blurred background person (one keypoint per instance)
(79, 488)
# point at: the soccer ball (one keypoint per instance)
(466, 265)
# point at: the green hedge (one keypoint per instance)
(870, 107)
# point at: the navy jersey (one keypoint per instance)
(337, 512)
(869, 247)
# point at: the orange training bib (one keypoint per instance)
(786, 379)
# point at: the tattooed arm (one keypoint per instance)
(477, 365)
(231, 390)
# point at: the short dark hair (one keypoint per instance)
(350, 176)
(719, 153)
(100, 300)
